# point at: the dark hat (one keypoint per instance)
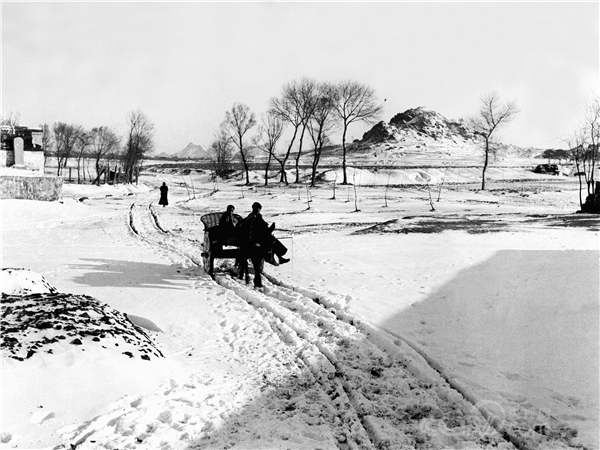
(230, 207)
(256, 206)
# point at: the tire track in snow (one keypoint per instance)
(304, 306)
(312, 358)
(321, 362)
(155, 219)
(370, 423)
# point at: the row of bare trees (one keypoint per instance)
(306, 107)
(100, 144)
(583, 148)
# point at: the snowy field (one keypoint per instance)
(471, 326)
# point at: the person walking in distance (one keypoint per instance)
(163, 195)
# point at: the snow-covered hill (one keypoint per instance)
(192, 151)
(421, 136)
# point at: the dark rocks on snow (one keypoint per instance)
(421, 121)
(377, 372)
(35, 322)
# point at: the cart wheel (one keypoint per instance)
(207, 259)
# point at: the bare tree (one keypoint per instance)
(288, 107)
(593, 126)
(222, 153)
(238, 121)
(103, 142)
(65, 138)
(270, 131)
(140, 140)
(308, 97)
(321, 122)
(83, 141)
(492, 115)
(46, 138)
(577, 148)
(10, 119)
(354, 102)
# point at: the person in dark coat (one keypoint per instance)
(227, 224)
(253, 231)
(163, 195)
(256, 243)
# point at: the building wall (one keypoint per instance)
(34, 160)
(45, 187)
(7, 158)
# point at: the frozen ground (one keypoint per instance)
(497, 291)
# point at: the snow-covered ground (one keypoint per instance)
(497, 291)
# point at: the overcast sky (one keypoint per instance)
(185, 64)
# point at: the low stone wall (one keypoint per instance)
(45, 187)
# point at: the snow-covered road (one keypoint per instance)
(331, 354)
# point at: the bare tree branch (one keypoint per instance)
(238, 121)
(492, 115)
(354, 102)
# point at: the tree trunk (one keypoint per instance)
(97, 180)
(593, 155)
(315, 163)
(299, 153)
(580, 186)
(267, 168)
(314, 169)
(78, 170)
(485, 164)
(245, 167)
(345, 181)
(287, 155)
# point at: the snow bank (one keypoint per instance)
(104, 190)
(429, 175)
(70, 351)
(23, 282)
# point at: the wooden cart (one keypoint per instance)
(216, 246)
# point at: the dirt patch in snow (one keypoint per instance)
(486, 223)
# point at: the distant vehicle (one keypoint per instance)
(547, 168)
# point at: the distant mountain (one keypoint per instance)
(192, 151)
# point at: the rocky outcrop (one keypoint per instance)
(419, 121)
(36, 319)
(380, 132)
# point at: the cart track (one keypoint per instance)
(397, 396)
(350, 433)
(157, 224)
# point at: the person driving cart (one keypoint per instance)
(258, 243)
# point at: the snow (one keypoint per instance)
(494, 293)
(22, 282)
(430, 175)
(20, 172)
